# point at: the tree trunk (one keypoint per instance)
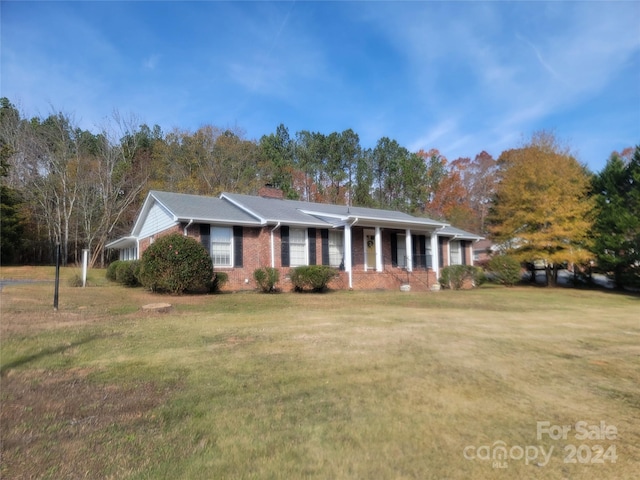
(549, 277)
(551, 274)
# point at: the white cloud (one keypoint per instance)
(151, 62)
(435, 135)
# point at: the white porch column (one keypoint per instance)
(378, 249)
(407, 240)
(347, 253)
(435, 258)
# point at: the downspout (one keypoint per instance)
(273, 251)
(187, 227)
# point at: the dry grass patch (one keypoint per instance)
(59, 424)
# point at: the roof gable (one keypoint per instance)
(200, 208)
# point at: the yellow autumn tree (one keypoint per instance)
(542, 210)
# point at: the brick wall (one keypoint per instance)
(469, 248)
(256, 248)
(445, 251)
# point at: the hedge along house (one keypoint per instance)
(372, 248)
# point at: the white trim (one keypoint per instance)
(417, 221)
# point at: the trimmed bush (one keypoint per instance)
(176, 264)
(479, 277)
(111, 270)
(219, 280)
(505, 270)
(457, 277)
(266, 278)
(124, 272)
(127, 273)
(312, 277)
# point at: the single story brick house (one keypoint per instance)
(372, 248)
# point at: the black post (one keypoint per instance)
(55, 294)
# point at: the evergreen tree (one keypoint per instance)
(277, 151)
(11, 227)
(616, 228)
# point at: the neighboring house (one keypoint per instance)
(372, 248)
(483, 251)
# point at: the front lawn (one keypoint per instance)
(362, 385)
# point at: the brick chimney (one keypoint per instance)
(269, 191)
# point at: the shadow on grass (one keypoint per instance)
(46, 352)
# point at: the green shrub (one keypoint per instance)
(176, 264)
(459, 276)
(479, 277)
(219, 280)
(266, 278)
(505, 270)
(127, 273)
(111, 270)
(312, 277)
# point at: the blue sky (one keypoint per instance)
(461, 77)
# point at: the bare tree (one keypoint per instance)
(115, 182)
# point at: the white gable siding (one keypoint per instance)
(157, 220)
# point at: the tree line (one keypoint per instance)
(62, 185)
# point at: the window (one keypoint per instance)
(336, 248)
(454, 252)
(297, 246)
(401, 249)
(221, 242)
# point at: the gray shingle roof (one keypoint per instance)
(198, 207)
(274, 210)
(450, 231)
(239, 209)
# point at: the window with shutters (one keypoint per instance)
(297, 247)
(454, 253)
(221, 246)
(428, 253)
(336, 248)
(401, 250)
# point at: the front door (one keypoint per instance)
(370, 249)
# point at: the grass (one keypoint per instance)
(343, 385)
